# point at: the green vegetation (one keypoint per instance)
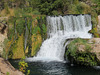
(7, 73)
(42, 25)
(22, 33)
(23, 66)
(94, 32)
(51, 7)
(26, 20)
(26, 8)
(82, 56)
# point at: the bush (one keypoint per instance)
(22, 65)
(80, 8)
(36, 12)
(55, 12)
(87, 59)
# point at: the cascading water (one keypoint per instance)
(58, 30)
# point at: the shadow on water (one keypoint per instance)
(57, 68)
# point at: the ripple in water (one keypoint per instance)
(57, 68)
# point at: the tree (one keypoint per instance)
(47, 6)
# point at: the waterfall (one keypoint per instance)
(59, 29)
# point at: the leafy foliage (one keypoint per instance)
(22, 65)
(88, 59)
(47, 6)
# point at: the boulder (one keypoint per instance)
(7, 69)
(84, 51)
(95, 44)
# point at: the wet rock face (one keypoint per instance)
(3, 28)
(3, 36)
(98, 26)
(6, 67)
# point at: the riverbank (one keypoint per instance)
(7, 69)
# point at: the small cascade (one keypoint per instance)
(59, 29)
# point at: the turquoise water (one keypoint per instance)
(57, 68)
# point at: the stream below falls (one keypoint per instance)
(57, 68)
(50, 58)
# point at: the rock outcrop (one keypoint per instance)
(95, 44)
(98, 26)
(84, 51)
(7, 69)
(3, 36)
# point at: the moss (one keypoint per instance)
(17, 49)
(36, 43)
(42, 26)
(94, 32)
(35, 35)
(88, 48)
(77, 56)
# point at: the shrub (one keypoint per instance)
(80, 8)
(88, 59)
(22, 65)
(36, 12)
(55, 12)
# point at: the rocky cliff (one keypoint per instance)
(3, 36)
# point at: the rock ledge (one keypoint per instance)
(6, 67)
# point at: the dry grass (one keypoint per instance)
(4, 13)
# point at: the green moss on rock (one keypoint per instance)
(17, 49)
(79, 52)
(36, 43)
(94, 32)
